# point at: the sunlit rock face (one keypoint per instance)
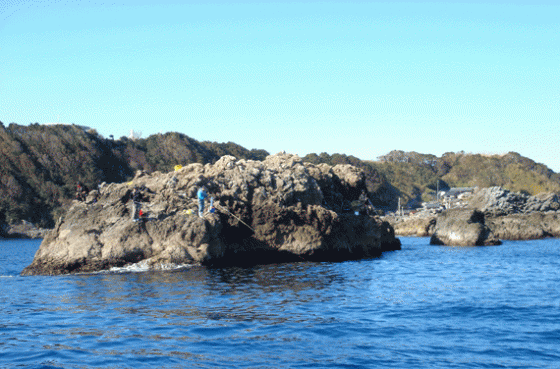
(279, 209)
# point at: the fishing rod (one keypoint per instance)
(220, 207)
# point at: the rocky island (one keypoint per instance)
(487, 216)
(278, 209)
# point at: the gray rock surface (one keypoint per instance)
(527, 226)
(496, 201)
(517, 216)
(509, 215)
(275, 210)
(23, 230)
(462, 227)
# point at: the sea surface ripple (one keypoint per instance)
(421, 307)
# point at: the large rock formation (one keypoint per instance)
(462, 227)
(509, 215)
(274, 210)
(517, 216)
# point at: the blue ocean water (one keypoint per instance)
(421, 307)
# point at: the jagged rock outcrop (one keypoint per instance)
(517, 216)
(509, 215)
(275, 210)
(462, 227)
(496, 201)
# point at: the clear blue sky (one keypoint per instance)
(360, 78)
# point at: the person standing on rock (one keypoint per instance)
(81, 191)
(136, 197)
(202, 195)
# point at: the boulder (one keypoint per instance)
(462, 227)
(275, 210)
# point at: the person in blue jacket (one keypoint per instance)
(202, 195)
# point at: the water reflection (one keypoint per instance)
(294, 277)
(415, 304)
(196, 295)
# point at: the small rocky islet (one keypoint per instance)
(278, 209)
(484, 218)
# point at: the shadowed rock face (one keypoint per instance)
(275, 210)
(462, 227)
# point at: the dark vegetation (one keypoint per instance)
(40, 166)
(418, 176)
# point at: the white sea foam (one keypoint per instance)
(143, 266)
